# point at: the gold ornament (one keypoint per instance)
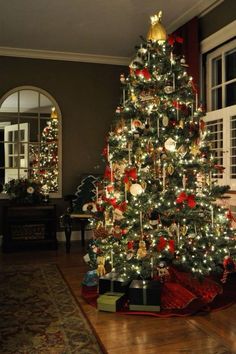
(165, 121)
(181, 124)
(195, 150)
(170, 169)
(183, 230)
(142, 251)
(157, 31)
(182, 151)
(101, 266)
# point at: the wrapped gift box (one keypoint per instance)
(145, 295)
(110, 302)
(112, 282)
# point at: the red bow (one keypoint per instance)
(143, 72)
(162, 244)
(172, 39)
(190, 199)
(219, 168)
(230, 216)
(130, 245)
(111, 201)
(122, 206)
(130, 174)
(107, 173)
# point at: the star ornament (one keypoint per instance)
(195, 150)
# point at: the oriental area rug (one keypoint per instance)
(39, 314)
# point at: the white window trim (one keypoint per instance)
(218, 38)
(223, 35)
(216, 53)
(47, 94)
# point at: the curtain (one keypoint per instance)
(190, 48)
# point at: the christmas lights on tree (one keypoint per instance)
(158, 202)
(45, 159)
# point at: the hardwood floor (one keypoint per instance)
(214, 333)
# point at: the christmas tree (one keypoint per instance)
(45, 159)
(158, 206)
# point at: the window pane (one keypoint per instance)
(10, 104)
(216, 71)
(216, 136)
(231, 94)
(29, 101)
(29, 138)
(217, 98)
(230, 68)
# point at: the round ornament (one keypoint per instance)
(170, 144)
(136, 123)
(122, 78)
(136, 189)
(165, 121)
(168, 89)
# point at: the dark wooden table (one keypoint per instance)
(29, 226)
(71, 219)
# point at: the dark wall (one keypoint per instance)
(87, 95)
(219, 17)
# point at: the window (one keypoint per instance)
(221, 77)
(222, 126)
(221, 106)
(30, 138)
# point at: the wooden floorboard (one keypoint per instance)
(213, 333)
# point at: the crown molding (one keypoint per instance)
(219, 37)
(65, 56)
(201, 7)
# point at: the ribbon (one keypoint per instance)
(173, 38)
(163, 243)
(190, 199)
(130, 174)
(107, 173)
(230, 216)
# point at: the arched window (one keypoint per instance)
(30, 138)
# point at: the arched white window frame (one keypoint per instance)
(39, 90)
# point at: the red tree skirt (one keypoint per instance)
(183, 295)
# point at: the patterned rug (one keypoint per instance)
(39, 314)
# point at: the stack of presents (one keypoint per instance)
(116, 294)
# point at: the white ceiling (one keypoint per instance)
(83, 29)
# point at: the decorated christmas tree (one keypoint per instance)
(159, 204)
(45, 159)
